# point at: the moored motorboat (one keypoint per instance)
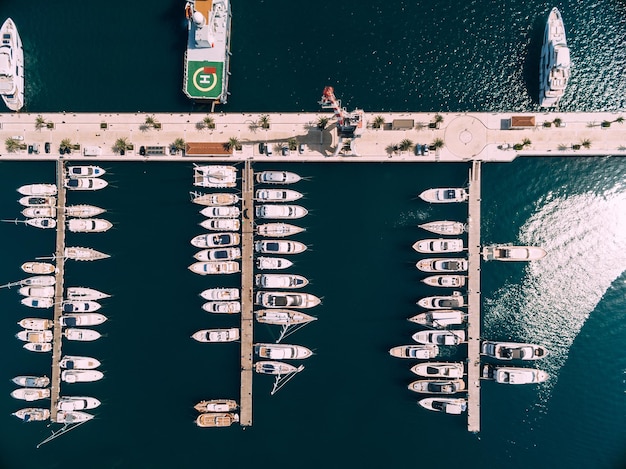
(29, 381)
(88, 225)
(438, 245)
(272, 263)
(37, 337)
(279, 299)
(32, 414)
(227, 211)
(456, 300)
(216, 335)
(214, 176)
(513, 375)
(277, 177)
(31, 394)
(272, 367)
(447, 337)
(217, 419)
(220, 294)
(445, 227)
(83, 211)
(38, 268)
(81, 376)
(282, 351)
(439, 370)
(72, 416)
(85, 184)
(282, 317)
(38, 189)
(442, 264)
(84, 254)
(215, 240)
(218, 254)
(11, 66)
(81, 335)
(447, 405)
(82, 319)
(215, 267)
(80, 306)
(223, 307)
(418, 352)
(72, 362)
(513, 350)
(280, 211)
(216, 405)
(41, 280)
(84, 293)
(554, 67)
(437, 386)
(444, 195)
(36, 324)
(448, 281)
(85, 171)
(40, 212)
(221, 224)
(280, 281)
(440, 318)
(38, 201)
(37, 290)
(277, 195)
(38, 346)
(73, 403)
(508, 253)
(38, 302)
(39, 222)
(278, 229)
(279, 246)
(219, 199)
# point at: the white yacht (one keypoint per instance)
(513, 375)
(39, 190)
(84, 293)
(220, 294)
(439, 370)
(72, 362)
(36, 324)
(282, 317)
(81, 376)
(554, 68)
(216, 335)
(38, 346)
(85, 184)
(438, 245)
(279, 299)
(513, 350)
(279, 246)
(84, 254)
(272, 263)
(45, 223)
(37, 201)
(38, 302)
(444, 227)
(416, 352)
(81, 335)
(456, 300)
(41, 280)
(80, 306)
(215, 176)
(448, 337)
(44, 211)
(83, 211)
(69, 417)
(221, 224)
(277, 195)
(31, 394)
(36, 290)
(85, 171)
(282, 351)
(444, 195)
(82, 319)
(437, 386)
(32, 414)
(218, 254)
(442, 264)
(216, 240)
(218, 199)
(277, 177)
(215, 267)
(272, 367)
(88, 225)
(508, 253)
(31, 381)
(11, 66)
(216, 405)
(447, 281)
(38, 268)
(36, 337)
(73, 403)
(278, 230)
(280, 211)
(440, 318)
(222, 307)
(447, 405)
(280, 281)
(221, 211)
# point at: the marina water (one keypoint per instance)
(350, 407)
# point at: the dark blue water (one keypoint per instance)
(350, 407)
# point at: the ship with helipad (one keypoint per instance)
(208, 50)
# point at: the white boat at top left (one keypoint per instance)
(11, 66)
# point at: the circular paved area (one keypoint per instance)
(465, 136)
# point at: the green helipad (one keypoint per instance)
(204, 79)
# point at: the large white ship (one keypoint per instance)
(11, 66)
(554, 69)
(207, 58)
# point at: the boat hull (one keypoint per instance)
(440, 319)
(437, 386)
(445, 405)
(216, 335)
(215, 267)
(216, 419)
(216, 405)
(445, 227)
(279, 246)
(14, 97)
(415, 352)
(282, 317)
(278, 230)
(271, 367)
(286, 299)
(439, 370)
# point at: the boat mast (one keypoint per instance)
(66, 428)
(282, 380)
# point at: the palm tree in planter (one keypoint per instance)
(233, 144)
(66, 144)
(586, 143)
(606, 124)
(152, 122)
(264, 121)
(40, 122)
(322, 122)
(379, 122)
(405, 145)
(121, 145)
(209, 122)
(179, 145)
(12, 145)
(437, 121)
(292, 143)
(526, 142)
(557, 122)
(438, 144)
(391, 149)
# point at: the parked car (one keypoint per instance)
(268, 150)
(301, 148)
(261, 148)
(142, 150)
(285, 151)
(46, 147)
